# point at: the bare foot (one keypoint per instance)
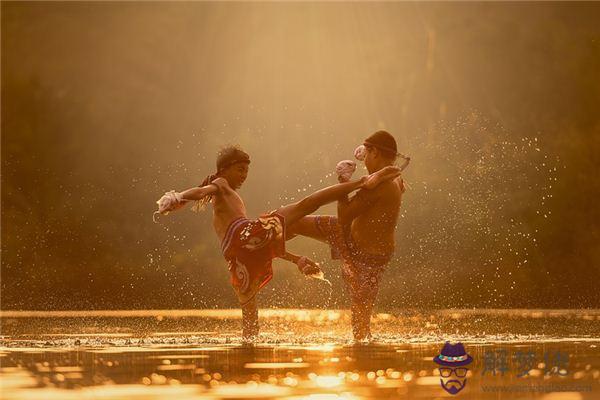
(308, 266)
(249, 339)
(362, 340)
(384, 174)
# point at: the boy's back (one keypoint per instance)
(373, 230)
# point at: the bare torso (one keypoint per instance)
(373, 230)
(227, 207)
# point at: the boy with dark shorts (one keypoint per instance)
(248, 245)
(362, 234)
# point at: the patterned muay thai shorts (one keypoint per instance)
(361, 271)
(249, 247)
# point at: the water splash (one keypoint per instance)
(320, 276)
(478, 201)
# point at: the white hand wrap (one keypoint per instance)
(169, 201)
(345, 169)
(360, 152)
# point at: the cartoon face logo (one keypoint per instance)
(452, 384)
(452, 362)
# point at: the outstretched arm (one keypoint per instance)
(197, 193)
(173, 201)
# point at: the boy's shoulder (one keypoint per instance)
(389, 187)
(221, 183)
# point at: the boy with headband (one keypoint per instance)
(248, 245)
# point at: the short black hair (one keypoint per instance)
(383, 141)
(230, 155)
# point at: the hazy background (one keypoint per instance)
(105, 106)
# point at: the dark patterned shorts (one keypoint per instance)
(361, 271)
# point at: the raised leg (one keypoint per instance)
(308, 205)
(305, 226)
(293, 212)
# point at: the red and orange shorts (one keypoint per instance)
(249, 247)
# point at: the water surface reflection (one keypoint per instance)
(301, 354)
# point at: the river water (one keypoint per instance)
(196, 354)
